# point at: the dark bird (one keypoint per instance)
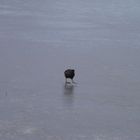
(69, 74)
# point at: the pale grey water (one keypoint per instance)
(39, 39)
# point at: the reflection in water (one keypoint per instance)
(68, 88)
(68, 91)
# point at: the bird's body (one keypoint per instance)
(69, 74)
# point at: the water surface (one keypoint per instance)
(39, 40)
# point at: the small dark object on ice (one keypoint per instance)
(69, 74)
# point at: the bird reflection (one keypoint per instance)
(68, 88)
(68, 94)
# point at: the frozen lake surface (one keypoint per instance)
(39, 39)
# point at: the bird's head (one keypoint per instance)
(73, 70)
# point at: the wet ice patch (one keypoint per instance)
(29, 130)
